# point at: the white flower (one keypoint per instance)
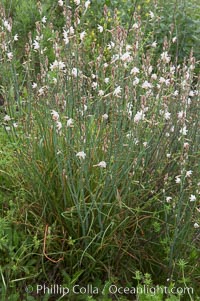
(81, 155)
(71, 30)
(101, 164)
(58, 125)
(126, 57)
(186, 145)
(167, 82)
(168, 199)
(57, 65)
(167, 115)
(60, 2)
(154, 76)
(15, 125)
(6, 118)
(135, 70)
(59, 152)
(36, 45)
(106, 80)
(172, 69)
(188, 101)
(129, 135)
(191, 93)
(154, 44)
(181, 114)
(192, 67)
(34, 85)
(10, 56)
(130, 113)
(82, 35)
(65, 35)
(129, 110)
(111, 45)
(188, 173)
(54, 65)
(61, 65)
(139, 116)
(66, 40)
(38, 38)
(75, 72)
(196, 225)
(41, 91)
(7, 25)
(136, 81)
(192, 198)
(100, 28)
(70, 122)
(128, 47)
(183, 131)
(94, 85)
(151, 14)
(115, 57)
(168, 155)
(83, 110)
(105, 116)
(101, 93)
(183, 83)
(165, 57)
(178, 180)
(150, 69)
(77, 2)
(44, 20)
(55, 115)
(117, 91)
(174, 39)
(162, 80)
(146, 85)
(87, 3)
(172, 129)
(135, 26)
(16, 37)
(175, 93)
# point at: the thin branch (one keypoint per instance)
(44, 247)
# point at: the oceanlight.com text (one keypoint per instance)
(152, 290)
